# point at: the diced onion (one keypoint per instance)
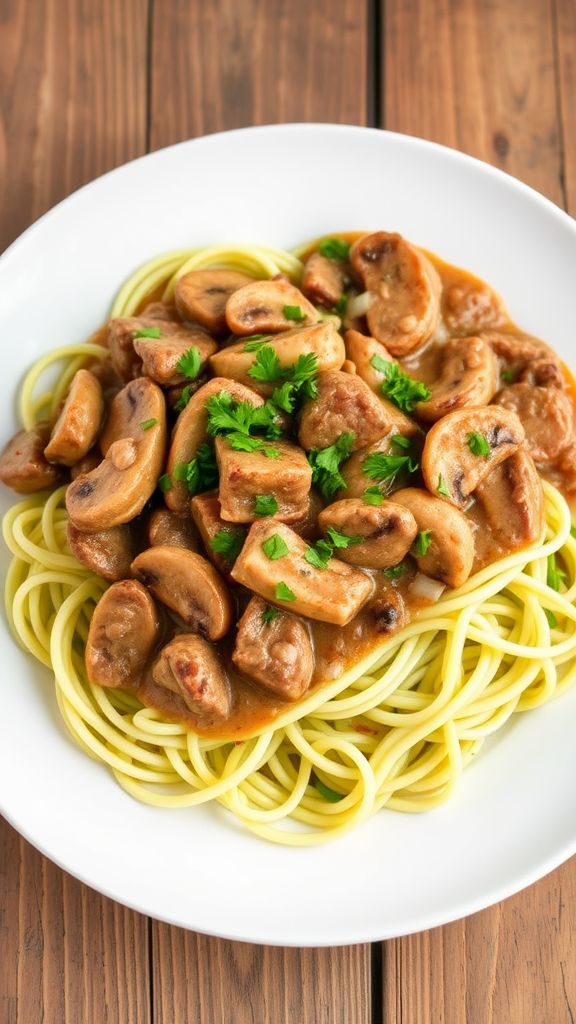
(427, 589)
(359, 305)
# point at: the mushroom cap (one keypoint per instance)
(450, 555)
(468, 377)
(201, 296)
(79, 422)
(124, 630)
(261, 306)
(382, 533)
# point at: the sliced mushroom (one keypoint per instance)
(321, 339)
(201, 296)
(276, 652)
(307, 526)
(388, 611)
(86, 465)
(23, 466)
(166, 527)
(160, 356)
(470, 305)
(360, 472)
(545, 413)
(381, 535)
(79, 422)
(205, 510)
(361, 349)
(545, 373)
(245, 476)
(187, 583)
(124, 630)
(190, 432)
(263, 306)
(405, 306)
(518, 349)
(450, 466)
(345, 404)
(450, 554)
(324, 280)
(513, 501)
(117, 490)
(108, 553)
(191, 668)
(469, 377)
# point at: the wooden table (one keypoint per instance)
(88, 84)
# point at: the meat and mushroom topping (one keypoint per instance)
(222, 540)
(324, 279)
(201, 296)
(161, 355)
(386, 465)
(23, 466)
(191, 668)
(361, 349)
(124, 630)
(546, 373)
(108, 553)
(374, 537)
(513, 502)
(189, 585)
(272, 481)
(287, 347)
(388, 611)
(264, 306)
(166, 527)
(546, 415)
(405, 290)
(464, 447)
(273, 648)
(446, 549)
(469, 376)
(79, 422)
(471, 306)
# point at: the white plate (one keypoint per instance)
(514, 816)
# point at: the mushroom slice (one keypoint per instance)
(323, 280)
(166, 527)
(546, 415)
(189, 585)
(108, 553)
(345, 404)
(360, 349)
(405, 288)
(469, 305)
(201, 296)
(117, 490)
(23, 466)
(451, 467)
(160, 356)
(513, 501)
(379, 535)
(545, 373)
(517, 348)
(263, 306)
(469, 376)
(275, 652)
(79, 422)
(190, 432)
(191, 668)
(450, 554)
(86, 465)
(388, 611)
(124, 630)
(360, 471)
(221, 539)
(321, 339)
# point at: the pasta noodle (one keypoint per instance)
(396, 730)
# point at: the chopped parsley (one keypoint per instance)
(508, 376)
(227, 544)
(293, 313)
(478, 444)
(255, 341)
(573, 531)
(381, 467)
(282, 592)
(373, 496)
(266, 367)
(422, 543)
(329, 794)
(554, 575)
(146, 424)
(398, 386)
(395, 571)
(296, 381)
(401, 441)
(269, 614)
(201, 473)
(325, 464)
(342, 305)
(245, 443)
(147, 332)
(265, 505)
(225, 415)
(552, 620)
(319, 555)
(334, 249)
(184, 397)
(275, 547)
(190, 363)
(442, 488)
(165, 482)
(341, 540)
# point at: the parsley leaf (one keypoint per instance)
(275, 547)
(227, 544)
(342, 305)
(442, 488)
(325, 464)
(293, 313)
(146, 424)
(266, 367)
(373, 496)
(319, 555)
(254, 342)
(184, 397)
(395, 571)
(401, 441)
(283, 592)
(189, 364)
(508, 376)
(554, 575)
(147, 332)
(342, 540)
(334, 249)
(265, 505)
(201, 473)
(269, 614)
(165, 482)
(245, 443)
(478, 444)
(225, 415)
(329, 794)
(422, 543)
(300, 382)
(386, 467)
(552, 620)
(398, 386)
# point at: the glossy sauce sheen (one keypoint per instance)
(337, 648)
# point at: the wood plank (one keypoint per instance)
(565, 39)
(244, 984)
(478, 75)
(67, 954)
(73, 87)
(226, 64)
(513, 962)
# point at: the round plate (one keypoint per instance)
(514, 815)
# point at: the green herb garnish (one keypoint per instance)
(373, 496)
(225, 415)
(146, 424)
(283, 592)
(201, 473)
(254, 342)
(184, 397)
(275, 547)
(265, 505)
(552, 620)
(478, 444)
(319, 554)
(269, 614)
(422, 543)
(266, 367)
(395, 571)
(342, 540)
(398, 386)
(245, 443)
(329, 794)
(386, 467)
(342, 305)
(147, 332)
(401, 441)
(508, 376)
(190, 363)
(334, 249)
(554, 575)
(165, 482)
(325, 464)
(227, 544)
(299, 383)
(293, 313)
(442, 488)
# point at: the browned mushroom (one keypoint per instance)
(321, 339)
(124, 630)
(108, 553)
(469, 306)
(468, 377)
(133, 444)
(379, 535)
(264, 306)
(160, 356)
(404, 289)
(545, 413)
(324, 280)
(284, 480)
(513, 501)
(23, 466)
(86, 465)
(166, 527)
(361, 471)
(222, 540)
(190, 667)
(449, 553)
(79, 422)
(187, 583)
(201, 296)
(275, 650)
(361, 349)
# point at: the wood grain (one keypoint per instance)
(564, 13)
(478, 75)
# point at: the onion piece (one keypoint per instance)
(359, 305)
(425, 588)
